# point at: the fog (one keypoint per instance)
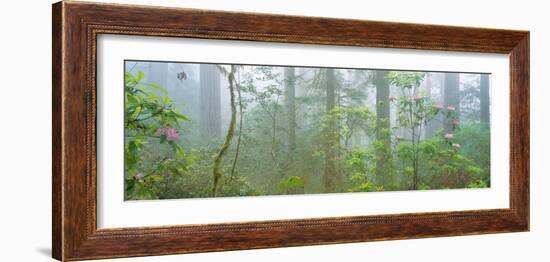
(208, 130)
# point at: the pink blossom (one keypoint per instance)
(450, 108)
(439, 106)
(449, 136)
(170, 133)
(456, 145)
(456, 121)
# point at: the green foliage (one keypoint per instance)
(150, 121)
(446, 164)
(475, 143)
(407, 80)
(477, 184)
(166, 157)
(423, 187)
(413, 111)
(441, 159)
(361, 163)
(292, 185)
(348, 122)
(366, 187)
(405, 151)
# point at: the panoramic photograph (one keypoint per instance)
(200, 130)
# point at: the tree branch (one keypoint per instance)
(230, 132)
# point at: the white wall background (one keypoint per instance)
(25, 131)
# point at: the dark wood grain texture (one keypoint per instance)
(76, 26)
(57, 195)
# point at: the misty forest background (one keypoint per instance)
(207, 130)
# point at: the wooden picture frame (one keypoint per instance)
(76, 26)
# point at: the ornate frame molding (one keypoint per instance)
(76, 26)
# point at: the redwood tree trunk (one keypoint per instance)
(290, 102)
(383, 130)
(484, 101)
(210, 100)
(431, 126)
(330, 177)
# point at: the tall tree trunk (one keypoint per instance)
(383, 154)
(431, 126)
(330, 176)
(451, 98)
(210, 102)
(290, 77)
(484, 101)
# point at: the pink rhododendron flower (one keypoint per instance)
(450, 108)
(170, 133)
(456, 145)
(449, 135)
(439, 106)
(456, 121)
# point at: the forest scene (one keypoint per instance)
(198, 130)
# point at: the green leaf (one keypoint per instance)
(408, 170)
(292, 182)
(132, 99)
(154, 179)
(130, 185)
(175, 171)
(139, 76)
(136, 112)
(180, 152)
(158, 88)
(180, 115)
(182, 166)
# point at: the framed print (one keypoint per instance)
(181, 130)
